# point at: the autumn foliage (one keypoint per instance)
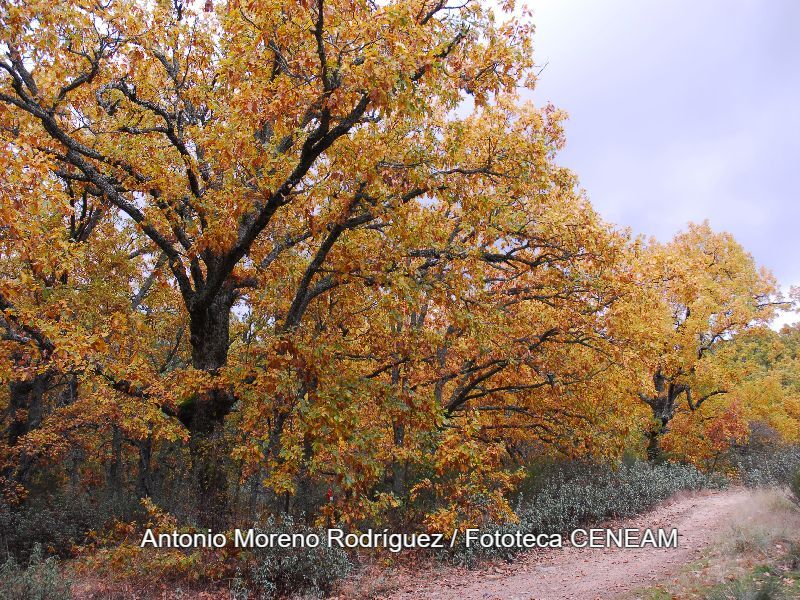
(318, 258)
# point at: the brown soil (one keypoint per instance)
(581, 574)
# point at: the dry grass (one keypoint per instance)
(771, 523)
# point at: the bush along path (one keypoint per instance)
(562, 497)
(588, 573)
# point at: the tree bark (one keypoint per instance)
(654, 452)
(115, 467)
(204, 414)
(144, 486)
(304, 500)
(26, 405)
(26, 399)
(399, 467)
(662, 403)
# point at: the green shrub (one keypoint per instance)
(25, 526)
(274, 571)
(794, 486)
(601, 493)
(770, 466)
(40, 580)
(565, 497)
(56, 522)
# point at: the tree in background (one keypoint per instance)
(73, 293)
(702, 289)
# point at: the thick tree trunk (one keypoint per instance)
(205, 413)
(662, 403)
(663, 410)
(654, 452)
(26, 405)
(210, 333)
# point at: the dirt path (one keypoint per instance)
(588, 574)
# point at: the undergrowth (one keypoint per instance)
(274, 570)
(39, 580)
(560, 498)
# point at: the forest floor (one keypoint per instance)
(723, 536)
(731, 543)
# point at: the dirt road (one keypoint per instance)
(587, 574)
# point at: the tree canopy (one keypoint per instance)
(320, 257)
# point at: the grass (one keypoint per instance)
(764, 582)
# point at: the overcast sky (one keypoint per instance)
(682, 110)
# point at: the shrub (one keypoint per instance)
(569, 496)
(772, 466)
(601, 493)
(41, 580)
(56, 522)
(794, 486)
(273, 571)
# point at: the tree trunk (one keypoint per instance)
(662, 403)
(115, 468)
(204, 414)
(144, 487)
(399, 467)
(26, 405)
(304, 500)
(654, 453)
